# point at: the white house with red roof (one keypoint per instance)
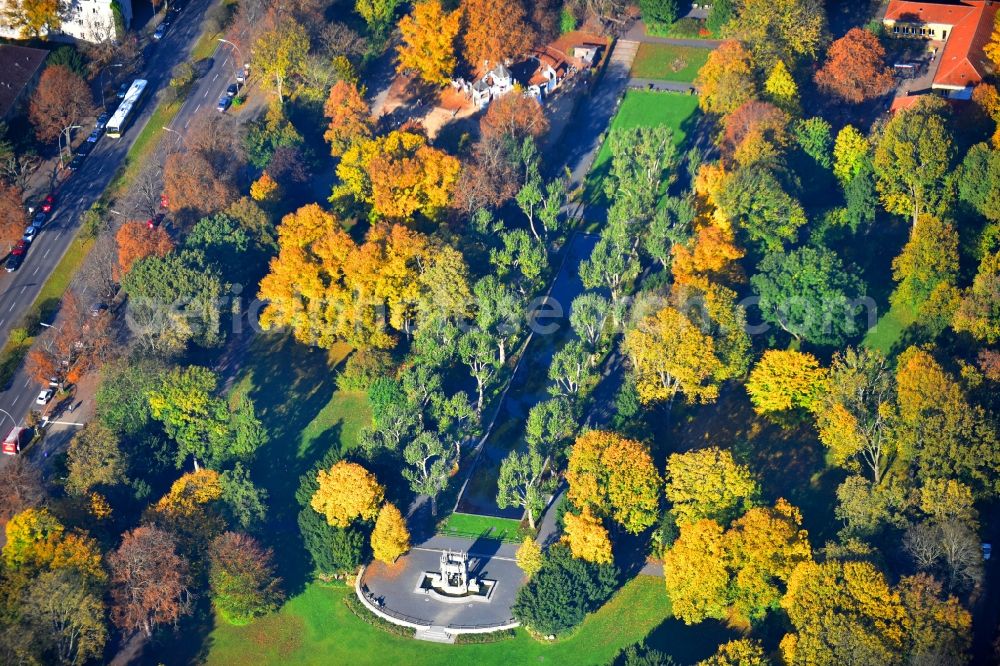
(964, 27)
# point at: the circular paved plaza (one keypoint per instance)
(396, 587)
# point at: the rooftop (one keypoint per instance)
(963, 62)
(18, 66)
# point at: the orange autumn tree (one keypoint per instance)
(428, 46)
(350, 117)
(614, 477)
(855, 68)
(399, 175)
(137, 241)
(494, 32)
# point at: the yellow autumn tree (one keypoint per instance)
(708, 483)
(265, 189)
(762, 548)
(781, 90)
(614, 477)
(784, 380)
(390, 537)
(670, 353)
(399, 175)
(860, 614)
(850, 149)
(710, 256)
(191, 492)
(742, 652)
(37, 542)
(695, 573)
(992, 47)
(726, 80)
(347, 491)
(529, 557)
(428, 46)
(587, 538)
(327, 288)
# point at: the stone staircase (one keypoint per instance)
(434, 635)
(624, 53)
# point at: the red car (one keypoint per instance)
(48, 202)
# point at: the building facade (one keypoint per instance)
(82, 20)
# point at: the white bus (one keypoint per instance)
(127, 109)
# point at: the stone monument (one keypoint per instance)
(453, 578)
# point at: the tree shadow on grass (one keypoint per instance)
(688, 644)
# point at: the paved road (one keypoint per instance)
(18, 290)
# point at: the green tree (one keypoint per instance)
(670, 226)
(550, 423)
(517, 484)
(521, 261)
(376, 13)
(913, 160)
(612, 265)
(979, 181)
(268, 133)
(564, 590)
(659, 14)
(588, 315)
(174, 299)
(853, 416)
(245, 503)
(431, 464)
(66, 616)
(204, 425)
(94, 459)
(719, 15)
(815, 139)
(241, 578)
(785, 30)
(332, 550)
(928, 259)
(279, 53)
(810, 294)
(643, 160)
(754, 198)
(979, 312)
(570, 370)
(477, 351)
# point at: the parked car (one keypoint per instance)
(241, 77)
(154, 221)
(95, 136)
(39, 220)
(102, 121)
(160, 31)
(16, 257)
(44, 396)
(232, 90)
(30, 233)
(76, 162)
(223, 103)
(85, 148)
(47, 203)
(123, 90)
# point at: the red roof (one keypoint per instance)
(963, 61)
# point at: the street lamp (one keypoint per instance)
(180, 137)
(5, 412)
(239, 54)
(102, 81)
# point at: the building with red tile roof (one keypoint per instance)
(964, 27)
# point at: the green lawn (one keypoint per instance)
(642, 108)
(317, 628)
(467, 524)
(889, 329)
(668, 62)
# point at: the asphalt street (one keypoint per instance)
(76, 195)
